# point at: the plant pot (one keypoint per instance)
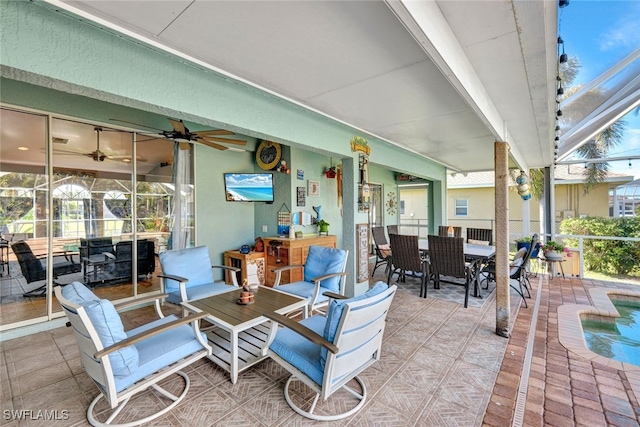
(526, 245)
(324, 228)
(554, 255)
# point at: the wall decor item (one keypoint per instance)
(362, 231)
(313, 188)
(358, 143)
(268, 154)
(300, 174)
(391, 203)
(284, 219)
(364, 196)
(301, 196)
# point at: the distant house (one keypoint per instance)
(624, 199)
(470, 198)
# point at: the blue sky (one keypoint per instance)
(601, 33)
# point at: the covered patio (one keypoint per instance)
(425, 376)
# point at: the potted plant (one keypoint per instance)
(323, 226)
(554, 250)
(525, 242)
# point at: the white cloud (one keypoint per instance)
(625, 32)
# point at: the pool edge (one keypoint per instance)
(571, 335)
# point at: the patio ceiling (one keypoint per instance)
(444, 79)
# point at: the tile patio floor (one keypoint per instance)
(441, 365)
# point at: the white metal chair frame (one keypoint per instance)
(95, 359)
(356, 346)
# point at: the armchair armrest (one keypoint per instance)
(151, 332)
(138, 301)
(172, 277)
(334, 295)
(327, 276)
(233, 270)
(279, 271)
(302, 330)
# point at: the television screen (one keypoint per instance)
(248, 187)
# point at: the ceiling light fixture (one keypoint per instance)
(21, 148)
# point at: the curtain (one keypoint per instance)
(181, 231)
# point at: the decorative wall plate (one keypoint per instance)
(391, 203)
(268, 154)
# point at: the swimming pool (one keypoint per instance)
(619, 340)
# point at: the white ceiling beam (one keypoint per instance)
(426, 23)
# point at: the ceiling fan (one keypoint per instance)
(180, 132)
(100, 156)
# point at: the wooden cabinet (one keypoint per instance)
(252, 265)
(291, 252)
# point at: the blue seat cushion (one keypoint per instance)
(108, 325)
(193, 264)
(78, 293)
(334, 314)
(198, 292)
(304, 290)
(322, 260)
(299, 351)
(160, 350)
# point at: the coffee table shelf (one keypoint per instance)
(239, 333)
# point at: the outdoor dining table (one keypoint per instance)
(477, 253)
(471, 250)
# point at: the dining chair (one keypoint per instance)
(123, 363)
(443, 231)
(392, 229)
(446, 258)
(518, 270)
(405, 257)
(327, 352)
(480, 236)
(382, 249)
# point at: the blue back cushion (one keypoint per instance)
(191, 263)
(322, 260)
(78, 293)
(334, 314)
(106, 321)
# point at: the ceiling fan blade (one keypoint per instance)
(213, 132)
(225, 140)
(178, 126)
(212, 144)
(124, 158)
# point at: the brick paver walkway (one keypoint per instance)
(564, 389)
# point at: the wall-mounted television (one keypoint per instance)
(248, 187)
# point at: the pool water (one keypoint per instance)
(619, 341)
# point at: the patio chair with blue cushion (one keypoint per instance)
(123, 364)
(324, 270)
(187, 274)
(327, 353)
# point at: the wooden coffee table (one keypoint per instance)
(240, 333)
